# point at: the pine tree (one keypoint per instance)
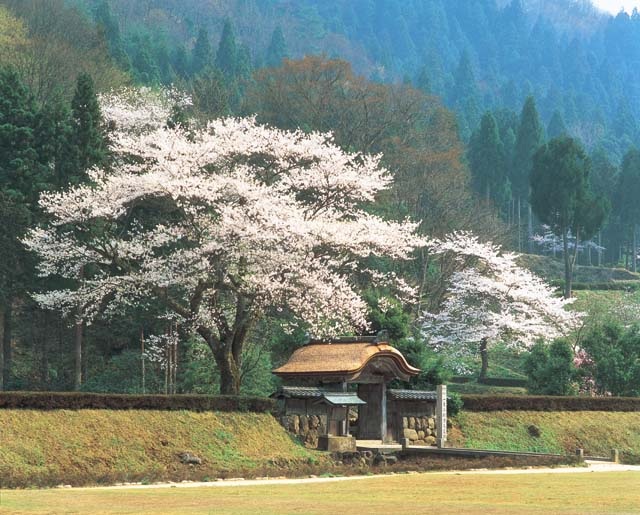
(227, 55)
(54, 138)
(529, 138)
(20, 174)
(109, 24)
(202, 53)
(87, 125)
(21, 179)
(487, 161)
(556, 126)
(561, 197)
(277, 49)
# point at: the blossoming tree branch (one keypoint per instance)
(222, 224)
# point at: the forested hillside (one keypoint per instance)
(476, 55)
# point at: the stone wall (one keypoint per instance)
(305, 427)
(419, 430)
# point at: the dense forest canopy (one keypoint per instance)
(475, 54)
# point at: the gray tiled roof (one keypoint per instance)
(300, 392)
(343, 399)
(412, 395)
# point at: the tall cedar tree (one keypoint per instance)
(561, 197)
(487, 161)
(529, 138)
(227, 55)
(202, 54)
(21, 179)
(627, 201)
(88, 129)
(277, 49)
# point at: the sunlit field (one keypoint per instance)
(418, 493)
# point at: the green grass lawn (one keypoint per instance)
(597, 432)
(567, 493)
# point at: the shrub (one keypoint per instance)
(614, 352)
(57, 400)
(548, 403)
(550, 368)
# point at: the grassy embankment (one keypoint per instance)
(596, 432)
(566, 493)
(107, 446)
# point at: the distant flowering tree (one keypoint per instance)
(490, 298)
(222, 224)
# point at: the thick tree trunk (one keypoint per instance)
(484, 357)
(7, 351)
(229, 374)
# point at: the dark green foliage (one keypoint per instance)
(529, 137)
(87, 125)
(111, 29)
(560, 185)
(615, 354)
(556, 127)
(48, 400)
(202, 54)
(277, 49)
(21, 176)
(548, 403)
(561, 196)
(488, 164)
(550, 368)
(432, 366)
(227, 54)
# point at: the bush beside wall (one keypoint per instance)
(548, 403)
(74, 400)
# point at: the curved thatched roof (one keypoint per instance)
(346, 361)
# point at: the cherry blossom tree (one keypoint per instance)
(222, 224)
(490, 298)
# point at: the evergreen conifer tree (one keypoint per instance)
(529, 138)
(87, 125)
(277, 49)
(227, 55)
(487, 161)
(202, 54)
(556, 126)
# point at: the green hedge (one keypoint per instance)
(548, 403)
(68, 400)
(609, 285)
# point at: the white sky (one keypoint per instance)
(613, 6)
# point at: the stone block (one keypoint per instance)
(337, 443)
(421, 434)
(430, 440)
(411, 434)
(428, 432)
(304, 424)
(432, 423)
(412, 422)
(314, 422)
(405, 422)
(294, 424)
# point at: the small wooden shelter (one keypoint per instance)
(318, 389)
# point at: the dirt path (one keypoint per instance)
(592, 466)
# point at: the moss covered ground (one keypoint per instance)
(596, 432)
(82, 447)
